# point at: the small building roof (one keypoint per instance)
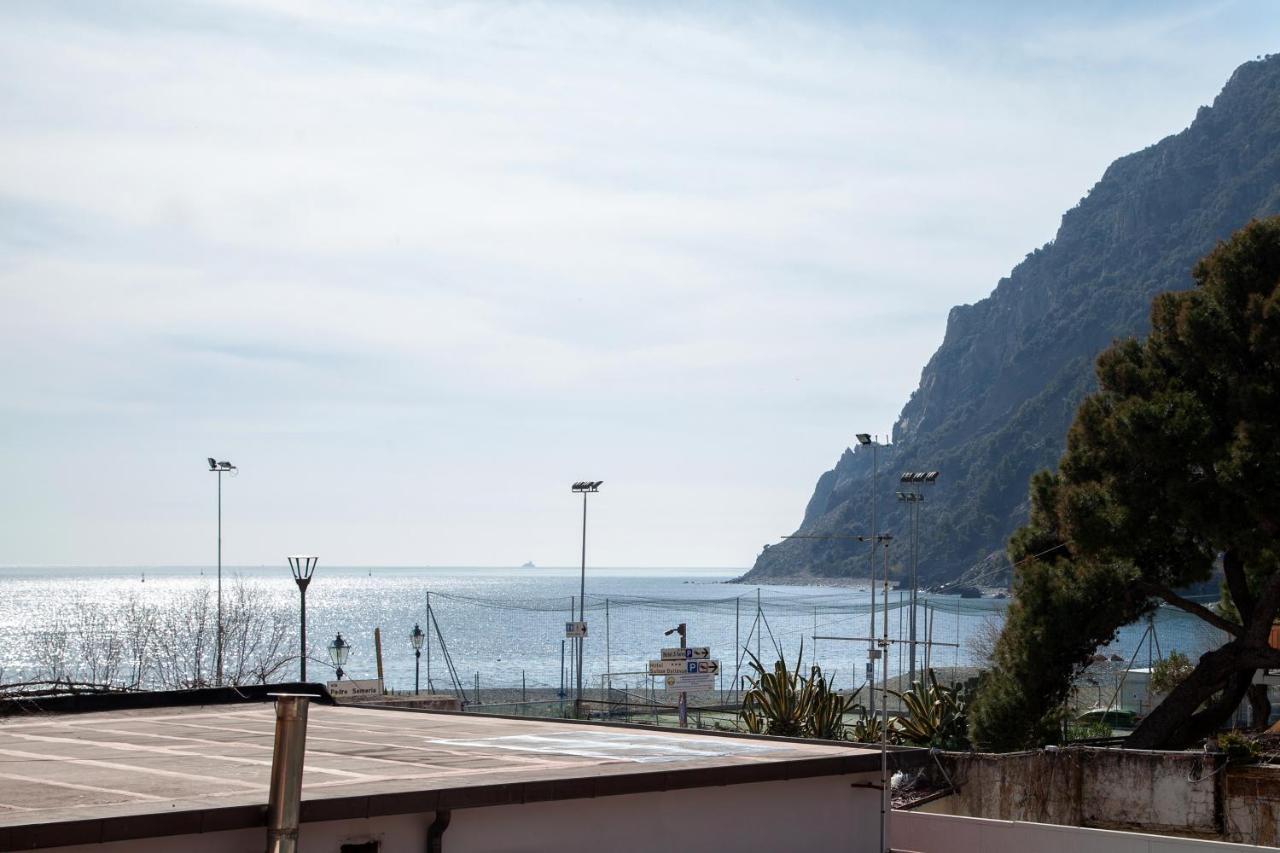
(104, 776)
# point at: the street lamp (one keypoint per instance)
(338, 651)
(220, 468)
(583, 487)
(302, 568)
(416, 638)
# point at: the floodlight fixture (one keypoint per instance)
(586, 486)
(931, 477)
(918, 477)
(905, 478)
(213, 466)
(864, 438)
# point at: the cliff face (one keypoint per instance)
(995, 400)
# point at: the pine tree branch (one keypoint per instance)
(1199, 610)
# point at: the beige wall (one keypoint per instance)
(1178, 793)
(918, 832)
(767, 817)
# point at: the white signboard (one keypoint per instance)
(575, 629)
(691, 653)
(681, 667)
(355, 688)
(691, 681)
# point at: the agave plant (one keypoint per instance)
(937, 715)
(869, 728)
(784, 702)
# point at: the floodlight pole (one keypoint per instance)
(582, 606)
(866, 440)
(586, 487)
(219, 468)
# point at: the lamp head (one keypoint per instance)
(302, 566)
(416, 637)
(864, 438)
(339, 649)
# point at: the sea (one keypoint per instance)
(505, 627)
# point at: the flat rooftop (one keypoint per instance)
(104, 776)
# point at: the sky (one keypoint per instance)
(417, 267)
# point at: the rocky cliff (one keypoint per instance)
(995, 400)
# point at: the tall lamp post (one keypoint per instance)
(416, 638)
(302, 568)
(220, 468)
(338, 651)
(913, 497)
(583, 487)
(866, 440)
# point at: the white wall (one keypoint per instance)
(825, 812)
(918, 832)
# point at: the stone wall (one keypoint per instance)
(1175, 793)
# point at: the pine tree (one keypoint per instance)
(1172, 464)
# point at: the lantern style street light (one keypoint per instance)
(302, 568)
(416, 638)
(220, 468)
(338, 651)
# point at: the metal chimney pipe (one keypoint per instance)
(286, 772)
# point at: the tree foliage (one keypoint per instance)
(1170, 671)
(1171, 463)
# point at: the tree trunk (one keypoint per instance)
(1175, 722)
(1259, 706)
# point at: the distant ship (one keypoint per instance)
(529, 565)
